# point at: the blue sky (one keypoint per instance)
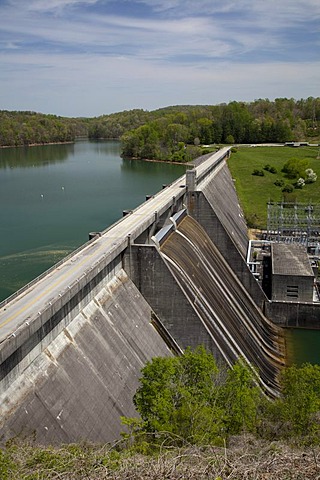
(91, 57)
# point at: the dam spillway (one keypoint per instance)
(227, 311)
(73, 341)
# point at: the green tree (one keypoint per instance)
(191, 399)
(230, 139)
(295, 414)
(301, 399)
(241, 397)
(179, 396)
(149, 142)
(205, 130)
(295, 168)
(131, 144)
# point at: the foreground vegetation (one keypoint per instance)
(197, 421)
(260, 178)
(246, 458)
(190, 399)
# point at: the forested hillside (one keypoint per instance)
(30, 128)
(173, 133)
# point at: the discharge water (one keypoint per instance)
(52, 196)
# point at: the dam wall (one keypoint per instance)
(162, 292)
(222, 302)
(28, 341)
(77, 387)
(206, 298)
(216, 208)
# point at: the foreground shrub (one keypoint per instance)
(311, 176)
(300, 183)
(191, 400)
(300, 403)
(258, 173)
(295, 415)
(279, 183)
(270, 168)
(295, 168)
(288, 188)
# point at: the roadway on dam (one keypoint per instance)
(24, 306)
(60, 278)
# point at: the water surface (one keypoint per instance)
(303, 346)
(52, 196)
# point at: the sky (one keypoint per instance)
(93, 57)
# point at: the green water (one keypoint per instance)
(52, 196)
(303, 346)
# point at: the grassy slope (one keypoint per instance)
(254, 192)
(245, 458)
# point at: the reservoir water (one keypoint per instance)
(303, 345)
(52, 196)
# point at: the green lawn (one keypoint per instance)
(255, 192)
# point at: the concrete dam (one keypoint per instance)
(171, 274)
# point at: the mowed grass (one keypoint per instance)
(254, 192)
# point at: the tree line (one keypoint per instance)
(173, 133)
(31, 128)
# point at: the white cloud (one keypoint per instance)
(49, 5)
(260, 27)
(153, 39)
(85, 85)
(208, 51)
(285, 8)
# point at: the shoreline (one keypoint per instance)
(155, 161)
(38, 144)
(194, 162)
